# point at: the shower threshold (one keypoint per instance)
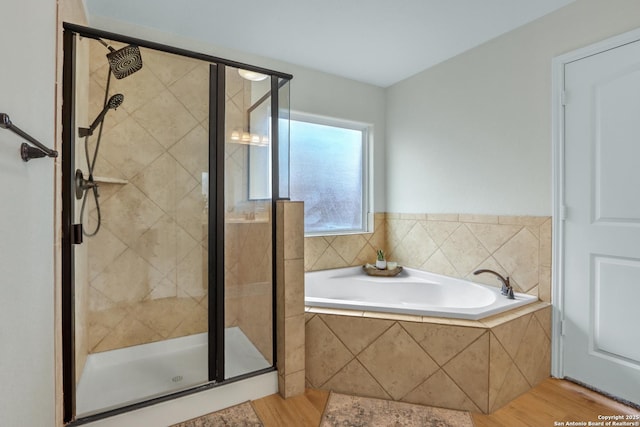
(116, 378)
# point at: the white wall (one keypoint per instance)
(27, 94)
(473, 134)
(312, 91)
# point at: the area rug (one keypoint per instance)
(353, 411)
(241, 415)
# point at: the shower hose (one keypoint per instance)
(90, 166)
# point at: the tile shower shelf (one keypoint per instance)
(246, 221)
(108, 180)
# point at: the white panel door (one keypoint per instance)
(602, 228)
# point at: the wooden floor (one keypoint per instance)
(551, 403)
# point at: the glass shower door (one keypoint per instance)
(248, 223)
(141, 274)
(168, 168)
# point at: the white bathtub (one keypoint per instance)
(411, 292)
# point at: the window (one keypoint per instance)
(329, 172)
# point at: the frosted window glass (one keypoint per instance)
(327, 174)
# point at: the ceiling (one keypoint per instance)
(374, 41)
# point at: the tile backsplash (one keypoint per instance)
(450, 244)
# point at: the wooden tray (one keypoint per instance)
(373, 271)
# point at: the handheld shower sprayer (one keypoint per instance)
(122, 63)
(114, 102)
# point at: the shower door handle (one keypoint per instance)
(76, 234)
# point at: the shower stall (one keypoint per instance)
(172, 161)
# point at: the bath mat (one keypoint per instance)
(241, 415)
(344, 410)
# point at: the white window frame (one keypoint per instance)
(367, 167)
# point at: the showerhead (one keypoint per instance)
(114, 102)
(125, 61)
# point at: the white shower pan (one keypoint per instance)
(116, 378)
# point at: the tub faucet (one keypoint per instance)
(507, 289)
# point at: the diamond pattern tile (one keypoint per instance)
(499, 365)
(153, 223)
(330, 258)
(165, 118)
(439, 264)
(440, 390)
(397, 230)
(510, 334)
(442, 342)
(165, 182)
(128, 279)
(416, 247)
(470, 370)
(453, 245)
(397, 362)
(534, 343)
(104, 248)
(192, 151)
(138, 89)
(325, 353)
(129, 213)
(354, 379)
(464, 251)
(359, 332)
(348, 247)
(441, 230)
(128, 158)
(492, 236)
(514, 385)
(130, 331)
(189, 90)
(519, 256)
(168, 67)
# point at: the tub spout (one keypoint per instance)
(507, 289)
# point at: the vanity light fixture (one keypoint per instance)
(243, 137)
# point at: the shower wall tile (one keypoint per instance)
(129, 147)
(148, 261)
(129, 213)
(128, 279)
(165, 182)
(450, 244)
(165, 118)
(138, 89)
(169, 68)
(192, 96)
(192, 151)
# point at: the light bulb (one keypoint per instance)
(251, 75)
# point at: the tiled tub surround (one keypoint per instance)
(451, 244)
(458, 364)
